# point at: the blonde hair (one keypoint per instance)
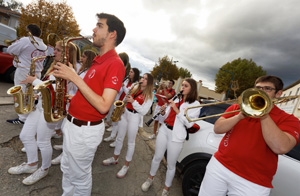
(72, 56)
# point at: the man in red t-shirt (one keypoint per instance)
(246, 160)
(167, 93)
(83, 129)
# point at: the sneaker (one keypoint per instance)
(165, 193)
(110, 161)
(56, 161)
(109, 129)
(108, 139)
(23, 149)
(24, 168)
(146, 185)
(112, 145)
(58, 147)
(36, 176)
(122, 173)
(16, 121)
(152, 137)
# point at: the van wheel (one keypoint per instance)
(10, 74)
(193, 177)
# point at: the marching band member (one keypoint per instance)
(173, 132)
(23, 50)
(134, 75)
(36, 125)
(138, 104)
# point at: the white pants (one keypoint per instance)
(35, 125)
(219, 180)
(20, 75)
(159, 118)
(163, 143)
(129, 124)
(80, 145)
(114, 130)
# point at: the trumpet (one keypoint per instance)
(8, 42)
(253, 103)
(160, 111)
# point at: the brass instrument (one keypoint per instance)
(120, 106)
(24, 102)
(54, 101)
(8, 42)
(253, 103)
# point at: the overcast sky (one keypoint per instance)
(203, 35)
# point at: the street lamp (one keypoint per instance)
(230, 82)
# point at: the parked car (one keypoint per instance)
(7, 70)
(201, 146)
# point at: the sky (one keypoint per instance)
(203, 35)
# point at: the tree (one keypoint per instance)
(245, 72)
(166, 69)
(184, 73)
(11, 4)
(51, 18)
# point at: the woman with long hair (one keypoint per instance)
(138, 104)
(36, 132)
(86, 62)
(133, 77)
(173, 133)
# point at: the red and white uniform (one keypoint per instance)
(129, 123)
(80, 143)
(161, 103)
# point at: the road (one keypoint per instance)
(105, 181)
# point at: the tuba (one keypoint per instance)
(24, 102)
(54, 101)
(120, 106)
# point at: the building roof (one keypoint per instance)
(8, 11)
(291, 85)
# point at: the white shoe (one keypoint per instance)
(122, 173)
(110, 161)
(113, 144)
(36, 176)
(23, 149)
(108, 139)
(146, 185)
(57, 160)
(24, 168)
(58, 147)
(152, 137)
(109, 129)
(165, 193)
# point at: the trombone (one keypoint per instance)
(253, 103)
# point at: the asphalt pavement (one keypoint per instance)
(105, 181)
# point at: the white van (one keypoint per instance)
(7, 32)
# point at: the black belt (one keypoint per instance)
(80, 123)
(133, 111)
(169, 126)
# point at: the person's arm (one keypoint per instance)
(101, 103)
(278, 141)
(223, 125)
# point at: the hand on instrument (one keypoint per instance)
(69, 97)
(172, 104)
(129, 99)
(64, 71)
(28, 80)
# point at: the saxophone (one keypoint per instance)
(54, 101)
(120, 106)
(24, 102)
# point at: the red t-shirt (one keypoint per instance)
(169, 90)
(171, 117)
(139, 97)
(244, 151)
(107, 71)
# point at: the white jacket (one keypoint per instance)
(180, 123)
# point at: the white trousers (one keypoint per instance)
(220, 181)
(129, 124)
(159, 118)
(114, 130)
(164, 142)
(35, 125)
(20, 75)
(80, 145)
